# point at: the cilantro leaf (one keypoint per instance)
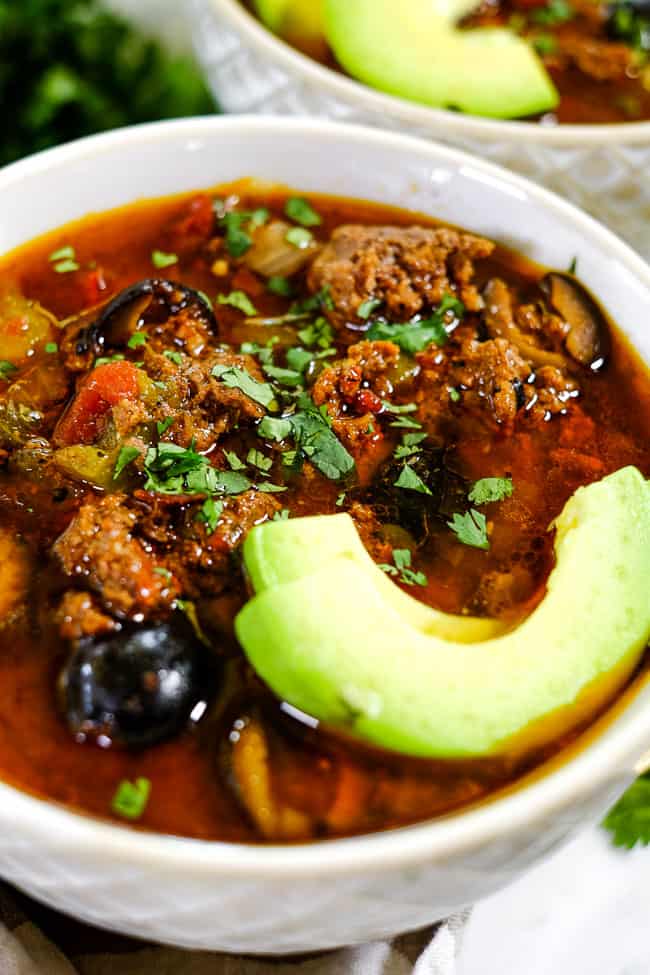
(285, 377)
(131, 798)
(238, 300)
(411, 481)
(160, 259)
(234, 461)
(319, 333)
(471, 529)
(299, 237)
(282, 515)
(316, 441)
(236, 378)
(555, 12)
(210, 514)
(402, 567)
(163, 425)
(278, 285)
(7, 369)
(125, 457)
(137, 340)
(267, 488)
(490, 489)
(259, 460)
(366, 308)
(414, 336)
(237, 240)
(274, 428)
(300, 211)
(629, 819)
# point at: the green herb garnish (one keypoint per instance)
(125, 457)
(409, 445)
(280, 286)
(454, 395)
(285, 377)
(238, 300)
(52, 348)
(555, 12)
(629, 820)
(267, 488)
(316, 441)
(317, 334)
(490, 489)
(234, 462)
(173, 356)
(299, 237)
(162, 426)
(131, 798)
(210, 514)
(300, 211)
(366, 308)
(137, 340)
(471, 529)
(402, 568)
(414, 336)
(160, 259)
(274, 428)
(282, 515)
(236, 378)
(255, 458)
(411, 481)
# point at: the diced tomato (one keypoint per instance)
(85, 417)
(367, 402)
(194, 226)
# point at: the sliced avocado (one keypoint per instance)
(298, 21)
(414, 50)
(286, 550)
(330, 642)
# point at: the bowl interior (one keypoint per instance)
(107, 171)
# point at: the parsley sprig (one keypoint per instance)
(416, 335)
(402, 568)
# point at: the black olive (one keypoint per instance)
(137, 686)
(415, 510)
(153, 299)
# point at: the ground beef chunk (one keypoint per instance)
(358, 383)
(493, 371)
(601, 60)
(79, 615)
(100, 547)
(200, 559)
(537, 333)
(203, 407)
(408, 268)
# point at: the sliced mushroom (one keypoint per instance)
(499, 320)
(151, 300)
(587, 340)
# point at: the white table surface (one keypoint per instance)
(586, 910)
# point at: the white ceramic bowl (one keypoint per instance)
(301, 898)
(603, 168)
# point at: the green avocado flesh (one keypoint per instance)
(414, 50)
(301, 19)
(331, 639)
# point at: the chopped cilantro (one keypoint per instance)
(366, 308)
(65, 267)
(318, 443)
(299, 359)
(300, 211)
(402, 567)
(258, 217)
(406, 423)
(125, 457)
(160, 570)
(285, 377)
(237, 240)
(210, 514)
(411, 481)
(282, 515)
(280, 286)
(137, 340)
(414, 336)
(544, 44)
(398, 409)
(340, 501)
(489, 489)
(259, 460)
(555, 12)
(131, 798)
(163, 425)
(299, 237)
(267, 488)
(409, 445)
(51, 348)
(471, 529)
(629, 819)
(160, 259)
(236, 378)
(318, 333)
(320, 301)
(573, 266)
(104, 359)
(172, 469)
(173, 356)
(238, 300)
(66, 253)
(274, 428)
(454, 395)
(235, 463)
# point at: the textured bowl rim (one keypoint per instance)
(617, 747)
(450, 124)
